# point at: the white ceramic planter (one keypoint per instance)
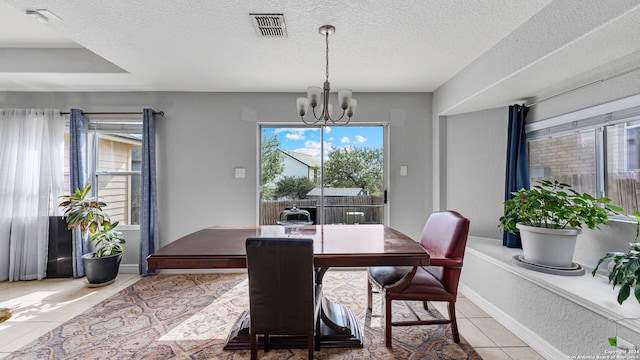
(550, 247)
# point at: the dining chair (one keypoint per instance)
(444, 237)
(283, 296)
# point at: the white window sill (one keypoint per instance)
(128, 227)
(593, 293)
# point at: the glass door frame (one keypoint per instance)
(386, 129)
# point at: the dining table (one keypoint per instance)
(335, 246)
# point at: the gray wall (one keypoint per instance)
(204, 136)
(476, 148)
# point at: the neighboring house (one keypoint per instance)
(299, 165)
(336, 192)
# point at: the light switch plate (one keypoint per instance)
(403, 170)
(240, 173)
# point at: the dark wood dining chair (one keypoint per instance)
(283, 296)
(444, 237)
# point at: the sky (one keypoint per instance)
(306, 140)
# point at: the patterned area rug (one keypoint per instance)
(189, 316)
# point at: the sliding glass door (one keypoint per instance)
(336, 173)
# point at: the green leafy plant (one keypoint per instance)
(87, 213)
(626, 267)
(555, 205)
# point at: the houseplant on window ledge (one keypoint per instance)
(549, 217)
(625, 267)
(102, 265)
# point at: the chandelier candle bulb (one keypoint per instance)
(344, 96)
(352, 107)
(313, 93)
(303, 105)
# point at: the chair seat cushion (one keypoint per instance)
(388, 275)
(423, 284)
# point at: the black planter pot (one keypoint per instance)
(101, 270)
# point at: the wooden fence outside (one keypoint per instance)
(338, 210)
(623, 188)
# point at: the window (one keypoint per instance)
(597, 154)
(568, 158)
(334, 172)
(117, 173)
(115, 155)
(623, 170)
(632, 145)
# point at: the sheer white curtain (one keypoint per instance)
(31, 180)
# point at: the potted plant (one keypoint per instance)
(549, 217)
(102, 265)
(625, 270)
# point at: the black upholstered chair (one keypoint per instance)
(444, 236)
(283, 296)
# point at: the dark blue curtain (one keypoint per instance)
(517, 175)
(78, 134)
(149, 240)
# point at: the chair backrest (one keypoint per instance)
(281, 286)
(444, 236)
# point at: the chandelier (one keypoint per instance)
(347, 104)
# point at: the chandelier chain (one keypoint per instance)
(327, 52)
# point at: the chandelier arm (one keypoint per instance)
(307, 122)
(341, 116)
(339, 123)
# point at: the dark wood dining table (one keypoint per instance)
(334, 246)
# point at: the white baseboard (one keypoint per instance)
(129, 269)
(534, 341)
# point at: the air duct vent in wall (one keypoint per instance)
(269, 25)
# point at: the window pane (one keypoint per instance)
(116, 152)
(568, 158)
(623, 175)
(119, 153)
(353, 175)
(122, 195)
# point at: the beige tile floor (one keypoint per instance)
(43, 305)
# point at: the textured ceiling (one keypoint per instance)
(379, 46)
(212, 46)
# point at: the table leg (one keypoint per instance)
(338, 325)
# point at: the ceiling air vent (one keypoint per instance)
(270, 25)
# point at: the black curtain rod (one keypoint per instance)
(160, 113)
